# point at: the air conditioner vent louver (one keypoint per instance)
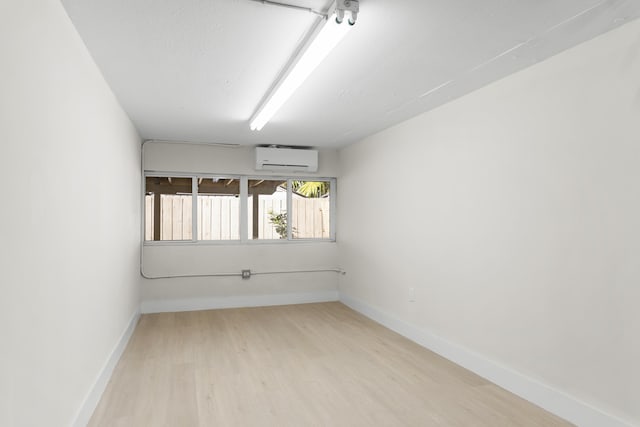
(286, 159)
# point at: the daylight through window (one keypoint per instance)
(276, 209)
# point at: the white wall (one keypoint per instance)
(515, 213)
(69, 217)
(210, 292)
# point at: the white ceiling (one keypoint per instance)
(195, 70)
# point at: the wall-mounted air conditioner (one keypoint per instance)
(286, 159)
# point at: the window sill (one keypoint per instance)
(234, 242)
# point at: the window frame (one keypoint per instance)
(244, 209)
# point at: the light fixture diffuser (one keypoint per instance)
(323, 38)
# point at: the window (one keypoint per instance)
(237, 208)
(218, 208)
(311, 210)
(267, 207)
(168, 208)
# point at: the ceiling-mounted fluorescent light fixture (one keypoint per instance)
(323, 37)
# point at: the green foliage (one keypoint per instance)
(280, 223)
(312, 189)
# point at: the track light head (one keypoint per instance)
(351, 6)
(352, 20)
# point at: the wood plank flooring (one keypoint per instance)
(299, 365)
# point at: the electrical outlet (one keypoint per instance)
(412, 294)
(246, 274)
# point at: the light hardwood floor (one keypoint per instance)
(298, 365)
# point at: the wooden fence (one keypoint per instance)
(219, 216)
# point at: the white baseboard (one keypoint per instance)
(91, 401)
(194, 304)
(549, 398)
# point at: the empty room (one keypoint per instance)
(320, 213)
